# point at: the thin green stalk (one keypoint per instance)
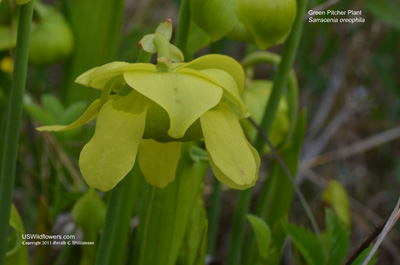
(280, 80)
(147, 224)
(183, 28)
(115, 234)
(138, 233)
(9, 162)
(214, 213)
(293, 90)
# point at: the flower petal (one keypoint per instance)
(231, 90)
(227, 181)
(158, 161)
(111, 153)
(86, 117)
(218, 61)
(185, 97)
(235, 163)
(99, 76)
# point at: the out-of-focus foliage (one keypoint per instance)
(336, 196)
(17, 253)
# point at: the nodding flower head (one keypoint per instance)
(146, 111)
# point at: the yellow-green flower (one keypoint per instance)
(152, 109)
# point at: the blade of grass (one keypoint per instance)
(214, 213)
(7, 178)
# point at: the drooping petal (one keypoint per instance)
(111, 153)
(226, 81)
(228, 148)
(218, 61)
(86, 117)
(158, 161)
(227, 181)
(185, 97)
(99, 76)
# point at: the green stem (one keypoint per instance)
(280, 80)
(214, 213)
(183, 28)
(7, 177)
(293, 90)
(238, 225)
(116, 227)
(147, 223)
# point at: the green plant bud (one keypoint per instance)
(51, 40)
(217, 18)
(263, 22)
(269, 21)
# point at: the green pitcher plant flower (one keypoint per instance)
(146, 111)
(263, 22)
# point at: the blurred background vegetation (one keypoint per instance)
(349, 82)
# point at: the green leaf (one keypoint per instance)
(197, 153)
(307, 244)
(337, 239)
(193, 246)
(387, 11)
(360, 259)
(17, 253)
(72, 112)
(37, 112)
(169, 213)
(89, 212)
(336, 196)
(263, 236)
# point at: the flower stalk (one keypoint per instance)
(280, 80)
(8, 170)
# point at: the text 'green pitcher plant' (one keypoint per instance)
(148, 110)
